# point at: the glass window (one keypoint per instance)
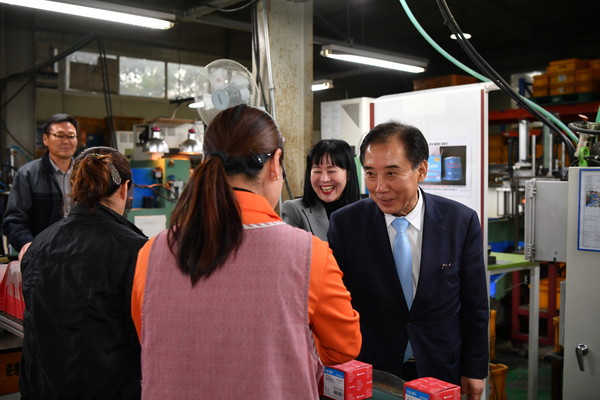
(85, 72)
(181, 80)
(141, 77)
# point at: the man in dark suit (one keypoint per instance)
(444, 333)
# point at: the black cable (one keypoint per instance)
(151, 188)
(106, 92)
(238, 8)
(32, 71)
(496, 78)
(14, 138)
(577, 127)
(15, 94)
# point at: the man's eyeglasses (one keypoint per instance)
(63, 137)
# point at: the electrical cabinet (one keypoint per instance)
(546, 220)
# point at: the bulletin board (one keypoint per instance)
(454, 120)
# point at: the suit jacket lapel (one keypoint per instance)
(317, 219)
(379, 241)
(433, 233)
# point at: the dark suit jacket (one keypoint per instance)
(448, 321)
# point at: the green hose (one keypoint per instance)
(476, 74)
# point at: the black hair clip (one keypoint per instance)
(258, 160)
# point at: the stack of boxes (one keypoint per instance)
(443, 81)
(567, 77)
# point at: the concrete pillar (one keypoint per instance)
(17, 55)
(291, 49)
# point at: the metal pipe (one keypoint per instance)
(268, 59)
(533, 154)
(548, 139)
(523, 133)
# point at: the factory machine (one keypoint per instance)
(562, 223)
(163, 155)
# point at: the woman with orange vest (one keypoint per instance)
(231, 302)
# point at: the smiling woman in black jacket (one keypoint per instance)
(79, 339)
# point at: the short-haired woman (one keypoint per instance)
(79, 338)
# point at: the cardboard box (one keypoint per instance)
(587, 87)
(571, 64)
(559, 79)
(540, 91)
(10, 370)
(431, 389)
(586, 75)
(563, 89)
(541, 80)
(442, 81)
(349, 381)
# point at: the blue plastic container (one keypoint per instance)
(453, 169)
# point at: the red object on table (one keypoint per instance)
(431, 388)
(352, 380)
(11, 293)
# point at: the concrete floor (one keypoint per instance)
(515, 357)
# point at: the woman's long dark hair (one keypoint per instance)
(206, 225)
(97, 174)
(341, 156)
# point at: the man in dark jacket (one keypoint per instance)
(40, 192)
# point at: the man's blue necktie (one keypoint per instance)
(403, 259)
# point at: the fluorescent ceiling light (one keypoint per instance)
(374, 58)
(102, 11)
(466, 35)
(322, 85)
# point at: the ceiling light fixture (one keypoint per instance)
(156, 143)
(374, 58)
(191, 145)
(102, 11)
(466, 35)
(322, 84)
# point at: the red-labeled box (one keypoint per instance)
(430, 389)
(352, 380)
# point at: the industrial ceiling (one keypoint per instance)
(512, 35)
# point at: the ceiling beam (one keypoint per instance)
(220, 22)
(207, 8)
